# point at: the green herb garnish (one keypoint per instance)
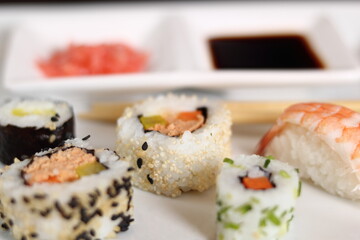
(243, 209)
(221, 212)
(299, 189)
(288, 222)
(230, 225)
(272, 218)
(267, 162)
(221, 236)
(228, 160)
(262, 222)
(284, 174)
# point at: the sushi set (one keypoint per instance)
(177, 166)
(168, 145)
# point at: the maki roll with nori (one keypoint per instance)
(72, 192)
(255, 198)
(175, 143)
(30, 125)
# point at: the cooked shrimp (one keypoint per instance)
(338, 124)
(313, 137)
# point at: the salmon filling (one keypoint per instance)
(62, 166)
(174, 125)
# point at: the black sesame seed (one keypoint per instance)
(5, 226)
(139, 162)
(11, 223)
(57, 115)
(93, 199)
(54, 119)
(144, 147)
(45, 212)
(26, 199)
(33, 235)
(92, 232)
(97, 191)
(130, 169)
(125, 222)
(114, 204)
(83, 236)
(73, 202)
(23, 238)
(151, 181)
(62, 212)
(86, 138)
(76, 226)
(129, 202)
(40, 196)
(2, 215)
(13, 201)
(85, 217)
(116, 216)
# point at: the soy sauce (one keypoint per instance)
(263, 52)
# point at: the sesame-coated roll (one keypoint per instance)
(175, 143)
(255, 198)
(29, 125)
(72, 192)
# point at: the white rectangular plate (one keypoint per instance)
(176, 41)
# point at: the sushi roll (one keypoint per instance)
(255, 198)
(29, 125)
(323, 141)
(175, 143)
(72, 192)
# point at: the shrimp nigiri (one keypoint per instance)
(321, 140)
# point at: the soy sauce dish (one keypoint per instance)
(264, 52)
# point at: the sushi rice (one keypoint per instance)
(262, 214)
(171, 165)
(96, 206)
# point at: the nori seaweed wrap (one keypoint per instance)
(30, 125)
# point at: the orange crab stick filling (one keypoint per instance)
(174, 126)
(62, 166)
(259, 183)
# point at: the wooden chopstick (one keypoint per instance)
(242, 112)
